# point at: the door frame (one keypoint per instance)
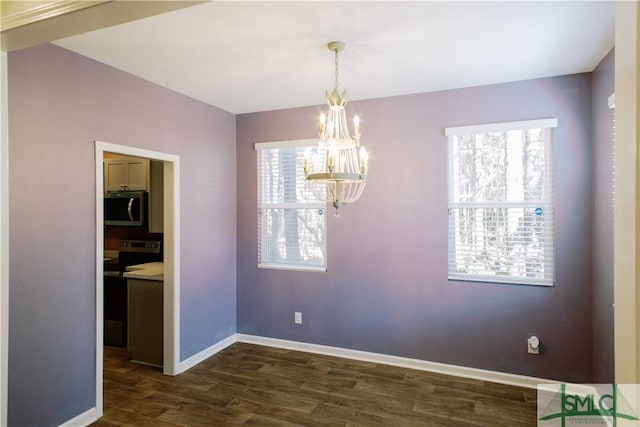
(171, 226)
(626, 281)
(4, 237)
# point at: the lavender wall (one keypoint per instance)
(59, 103)
(603, 149)
(386, 288)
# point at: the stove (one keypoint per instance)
(131, 252)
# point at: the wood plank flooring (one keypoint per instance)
(262, 386)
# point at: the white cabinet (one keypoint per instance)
(126, 174)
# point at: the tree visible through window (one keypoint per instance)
(291, 221)
(500, 203)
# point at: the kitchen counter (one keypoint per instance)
(148, 271)
(110, 255)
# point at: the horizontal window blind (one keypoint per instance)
(501, 244)
(501, 206)
(291, 220)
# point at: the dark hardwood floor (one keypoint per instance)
(254, 385)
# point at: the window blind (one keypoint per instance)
(501, 205)
(291, 220)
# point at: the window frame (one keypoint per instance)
(261, 207)
(547, 200)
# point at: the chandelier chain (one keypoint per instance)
(336, 66)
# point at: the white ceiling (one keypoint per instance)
(257, 56)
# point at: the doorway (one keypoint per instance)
(171, 243)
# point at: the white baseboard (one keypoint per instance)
(205, 354)
(83, 419)
(404, 362)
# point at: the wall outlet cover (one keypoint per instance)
(533, 345)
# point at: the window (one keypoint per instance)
(291, 220)
(500, 202)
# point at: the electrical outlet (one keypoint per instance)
(533, 345)
(297, 318)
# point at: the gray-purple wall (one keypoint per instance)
(59, 103)
(386, 288)
(603, 150)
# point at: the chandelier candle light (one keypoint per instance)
(338, 172)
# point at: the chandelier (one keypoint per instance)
(338, 172)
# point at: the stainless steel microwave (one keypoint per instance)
(128, 208)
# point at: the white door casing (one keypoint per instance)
(171, 310)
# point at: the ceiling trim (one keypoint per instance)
(14, 14)
(63, 18)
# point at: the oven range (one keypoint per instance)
(131, 252)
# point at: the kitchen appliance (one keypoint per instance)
(127, 208)
(131, 252)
